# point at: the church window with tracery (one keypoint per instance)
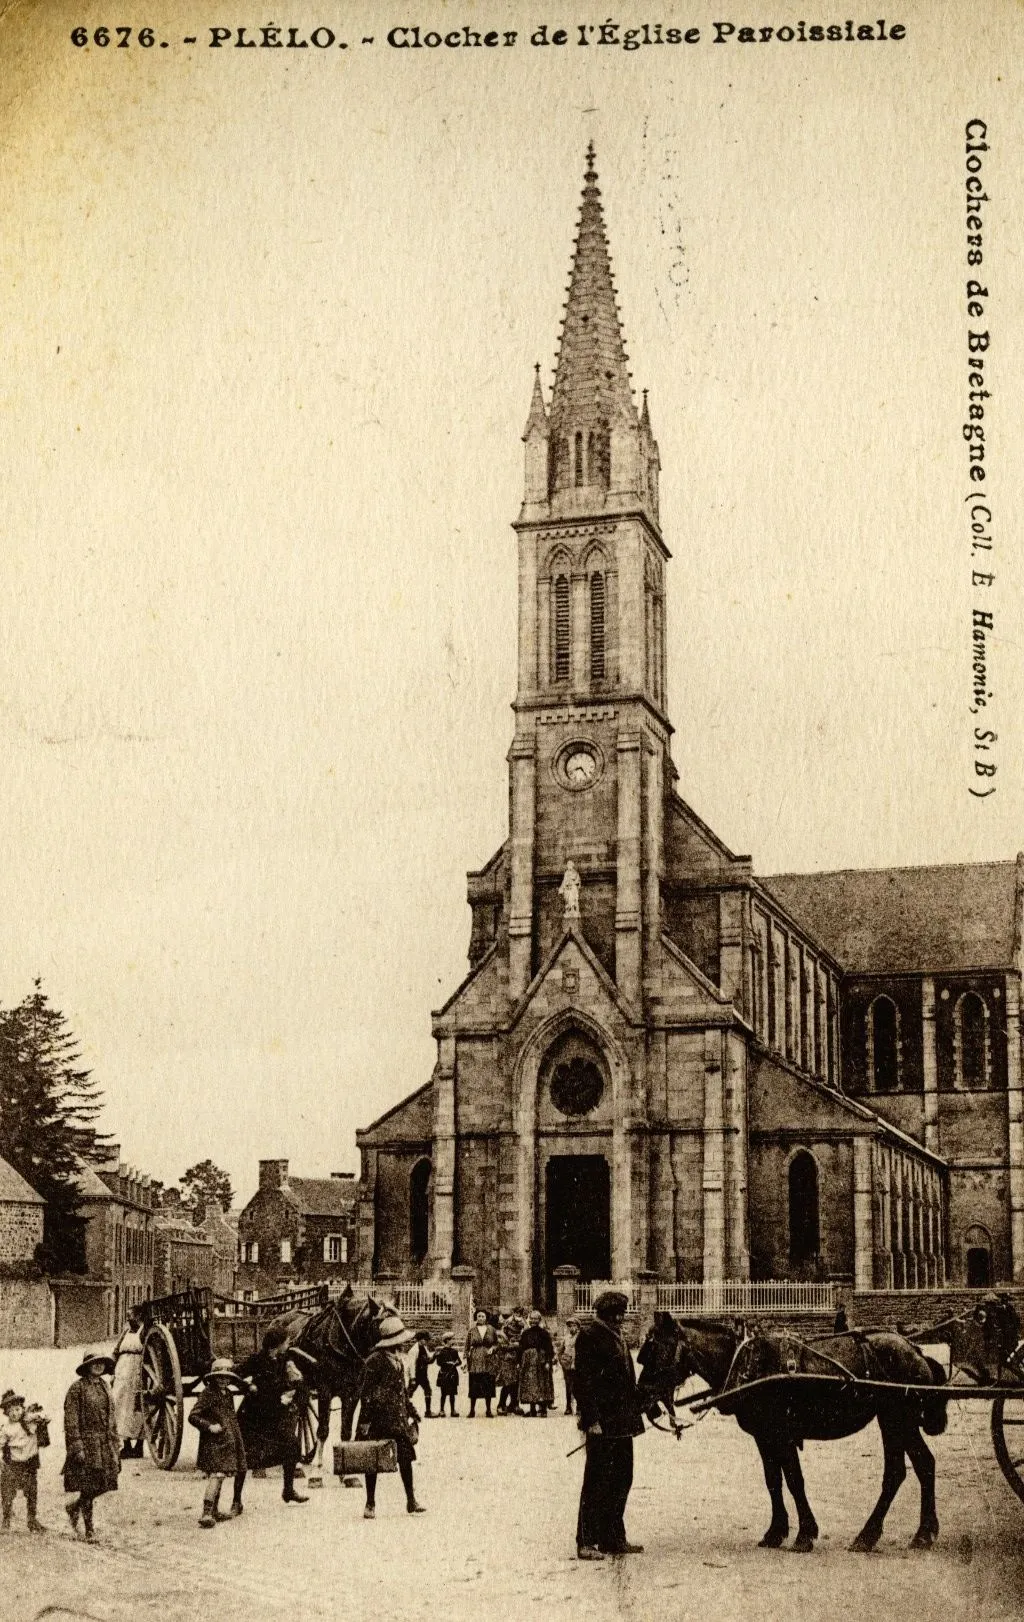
(597, 601)
(562, 631)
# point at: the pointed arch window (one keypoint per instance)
(419, 1210)
(804, 1219)
(562, 629)
(883, 1045)
(597, 641)
(971, 1043)
(578, 470)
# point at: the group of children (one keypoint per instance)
(509, 1356)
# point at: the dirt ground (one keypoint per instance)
(498, 1535)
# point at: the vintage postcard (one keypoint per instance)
(512, 919)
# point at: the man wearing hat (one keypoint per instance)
(221, 1448)
(609, 1414)
(385, 1410)
(267, 1415)
(21, 1429)
(92, 1465)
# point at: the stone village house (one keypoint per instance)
(660, 1060)
(296, 1230)
(118, 1205)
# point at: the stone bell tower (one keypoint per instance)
(590, 756)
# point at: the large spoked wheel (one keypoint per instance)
(1008, 1440)
(305, 1424)
(163, 1401)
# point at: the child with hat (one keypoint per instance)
(221, 1448)
(22, 1430)
(448, 1365)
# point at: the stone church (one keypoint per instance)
(658, 1061)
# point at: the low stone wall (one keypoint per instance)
(80, 1311)
(26, 1313)
(884, 1309)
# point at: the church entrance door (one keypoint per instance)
(577, 1211)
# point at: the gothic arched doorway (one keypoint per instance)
(577, 1217)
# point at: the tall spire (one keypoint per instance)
(591, 379)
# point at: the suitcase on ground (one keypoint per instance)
(356, 1458)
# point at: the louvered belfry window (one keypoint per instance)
(597, 664)
(561, 628)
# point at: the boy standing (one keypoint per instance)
(221, 1449)
(20, 1429)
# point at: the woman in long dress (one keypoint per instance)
(127, 1387)
(536, 1357)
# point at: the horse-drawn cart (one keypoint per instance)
(783, 1389)
(183, 1334)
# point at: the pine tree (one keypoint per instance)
(48, 1109)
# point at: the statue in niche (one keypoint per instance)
(569, 890)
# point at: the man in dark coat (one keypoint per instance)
(609, 1413)
(93, 1460)
(221, 1449)
(267, 1415)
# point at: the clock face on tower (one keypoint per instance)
(578, 765)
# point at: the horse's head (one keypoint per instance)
(677, 1348)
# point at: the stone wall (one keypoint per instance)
(26, 1312)
(884, 1309)
(21, 1230)
(81, 1311)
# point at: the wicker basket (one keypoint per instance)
(356, 1458)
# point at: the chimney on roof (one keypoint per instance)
(273, 1173)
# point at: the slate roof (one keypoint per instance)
(14, 1190)
(908, 920)
(324, 1196)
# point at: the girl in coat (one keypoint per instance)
(127, 1387)
(221, 1449)
(92, 1464)
(480, 1344)
(267, 1415)
(385, 1411)
(448, 1364)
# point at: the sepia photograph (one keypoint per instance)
(512, 927)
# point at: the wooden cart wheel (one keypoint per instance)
(163, 1400)
(305, 1424)
(1008, 1439)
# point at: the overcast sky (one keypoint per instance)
(270, 319)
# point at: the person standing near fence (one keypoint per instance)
(420, 1380)
(536, 1357)
(567, 1358)
(610, 1416)
(448, 1364)
(480, 1346)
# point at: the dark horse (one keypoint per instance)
(338, 1338)
(782, 1415)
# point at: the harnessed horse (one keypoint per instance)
(339, 1339)
(781, 1414)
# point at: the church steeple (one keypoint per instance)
(598, 451)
